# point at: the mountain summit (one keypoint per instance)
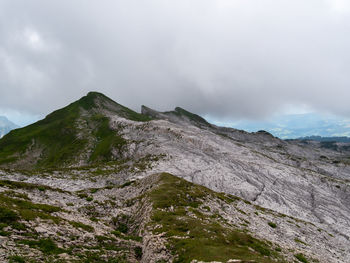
(178, 115)
(78, 134)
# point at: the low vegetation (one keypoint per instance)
(27, 210)
(82, 226)
(301, 258)
(200, 237)
(271, 224)
(47, 246)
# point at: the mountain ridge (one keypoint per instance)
(178, 115)
(291, 178)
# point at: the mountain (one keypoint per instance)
(78, 134)
(6, 126)
(291, 126)
(104, 182)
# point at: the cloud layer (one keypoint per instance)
(223, 58)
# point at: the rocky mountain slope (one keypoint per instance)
(295, 195)
(6, 126)
(160, 218)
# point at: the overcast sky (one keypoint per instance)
(229, 59)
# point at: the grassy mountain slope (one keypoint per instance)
(193, 232)
(65, 134)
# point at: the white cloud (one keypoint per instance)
(33, 39)
(223, 58)
(340, 6)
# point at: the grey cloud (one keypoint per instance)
(224, 58)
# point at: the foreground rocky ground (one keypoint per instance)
(160, 218)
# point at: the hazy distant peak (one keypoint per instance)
(6, 126)
(4, 121)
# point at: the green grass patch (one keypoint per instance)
(28, 210)
(27, 186)
(202, 238)
(108, 139)
(95, 257)
(11, 193)
(123, 228)
(7, 215)
(138, 252)
(16, 259)
(82, 226)
(127, 184)
(47, 246)
(301, 258)
(10, 218)
(176, 192)
(299, 241)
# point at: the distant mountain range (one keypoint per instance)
(292, 126)
(6, 126)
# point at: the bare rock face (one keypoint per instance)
(293, 178)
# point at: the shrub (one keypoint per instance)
(93, 190)
(138, 252)
(47, 246)
(7, 215)
(271, 224)
(41, 188)
(123, 228)
(16, 259)
(301, 258)
(127, 184)
(299, 241)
